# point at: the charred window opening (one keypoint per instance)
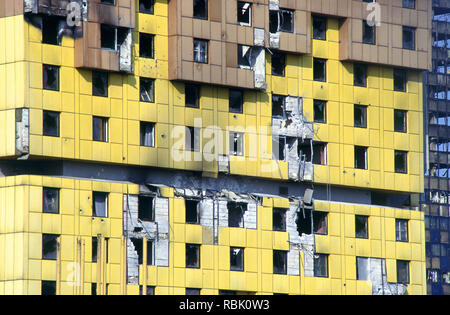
(401, 230)
(244, 57)
(319, 222)
(112, 37)
(192, 94)
(49, 246)
(138, 244)
(146, 6)
(360, 74)
(190, 291)
(192, 139)
(200, 50)
(409, 38)
(201, 9)
(321, 265)
(236, 259)
(147, 134)
(280, 262)
(403, 271)
(399, 80)
(236, 212)
(236, 101)
(320, 70)
(320, 111)
(400, 120)
(369, 33)
(281, 21)
(48, 287)
(50, 126)
(401, 162)
(50, 200)
(50, 77)
(94, 249)
(409, 4)
(100, 129)
(93, 288)
(146, 45)
(100, 83)
(146, 208)
(236, 143)
(320, 28)
(192, 256)
(100, 204)
(361, 157)
(361, 226)
(244, 13)
(147, 90)
(278, 64)
(51, 26)
(192, 211)
(278, 106)
(279, 219)
(360, 115)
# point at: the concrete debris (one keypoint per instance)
(22, 131)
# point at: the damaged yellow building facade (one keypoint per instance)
(88, 205)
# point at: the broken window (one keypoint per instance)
(146, 45)
(190, 291)
(320, 28)
(100, 204)
(147, 134)
(401, 230)
(244, 13)
(320, 70)
(192, 211)
(409, 4)
(403, 271)
(146, 6)
(361, 226)
(278, 106)
(138, 244)
(236, 143)
(49, 246)
(94, 249)
(319, 222)
(100, 129)
(280, 262)
(244, 56)
(319, 153)
(360, 114)
(281, 21)
(192, 139)
(400, 120)
(236, 101)
(278, 63)
(192, 256)
(360, 74)
(279, 219)
(369, 33)
(50, 77)
(320, 111)
(100, 83)
(50, 30)
(201, 9)
(401, 162)
(146, 209)
(284, 145)
(192, 95)
(200, 51)
(50, 126)
(48, 287)
(361, 157)
(50, 200)
(362, 269)
(236, 212)
(321, 265)
(236, 259)
(409, 38)
(399, 80)
(147, 90)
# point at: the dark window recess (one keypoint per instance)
(409, 4)
(147, 134)
(281, 21)
(147, 90)
(320, 70)
(278, 106)
(236, 259)
(369, 33)
(50, 200)
(361, 226)
(149, 290)
(399, 80)
(236, 101)
(321, 265)
(244, 12)
(409, 38)
(138, 244)
(93, 288)
(192, 211)
(49, 246)
(401, 230)
(108, 37)
(192, 256)
(320, 111)
(236, 212)
(236, 143)
(400, 120)
(227, 292)
(403, 271)
(100, 129)
(192, 139)
(360, 158)
(146, 208)
(51, 27)
(280, 262)
(319, 223)
(201, 9)
(279, 219)
(146, 6)
(100, 204)
(401, 162)
(200, 50)
(360, 116)
(111, 2)
(100, 83)
(146, 45)
(190, 291)
(360, 74)
(192, 94)
(284, 145)
(305, 150)
(150, 253)
(50, 126)
(319, 152)
(48, 287)
(319, 28)
(50, 77)
(94, 249)
(244, 56)
(107, 249)
(278, 64)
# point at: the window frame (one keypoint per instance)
(366, 226)
(106, 203)
(45, 69)
(400, 230)
(103, 132)
(46, 210)
(250, 13)
(48, 113)
(201, 48)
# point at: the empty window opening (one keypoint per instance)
(401, 162)
(108, 35)
(190, 291)
(400, 120)
(369, 33)
(305, 150)
(146, 208)
(399, 80)
(111, 2)
(227, 292)
(236, 259)
(244, 13)
(278, 64)
(50, 77)
(360, 74)
(409, 38)
(401, 230)
(321, 265)
(192, 95)
(360, 115)
(236, 212)
(361, 157)
(100, 83)
(192, 211)
(281, 21)
(100, 129)
(280, 262)
(284, 145)
(150, 251)
(319, 223)
(51, 27)
(319, 27)
(138, 244)
(320, 111)
(147, 134)
(320, 70)
(236, 143)
(361, 226)
(409, 4)
(200, 50)
(319, 153)
(100, 204)
(192, 139)
(94, 249)
(244, 57)
(147, 90)
(93, 288)
(50, 200)
(50, 126)
(201, 9)
(192, 256)
(48, 287)
(149, 290)
(278, 106)
(146, 6)
(146, 45)
(403, 271)
(49, 246)
(279, 219)
(236, 101)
